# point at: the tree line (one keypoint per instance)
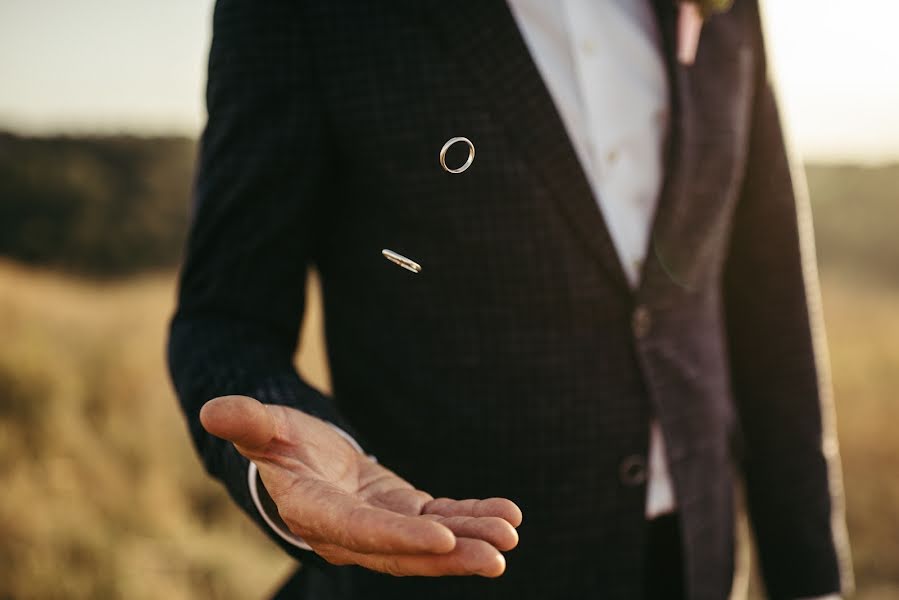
(116, 205)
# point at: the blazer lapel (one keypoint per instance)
(709, 108)
(673, 186)
(483, 36)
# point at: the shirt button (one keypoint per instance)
(662, 118)
(633, 471)
(587, 46)
(641, 321)
(638, 266)
(611, 157)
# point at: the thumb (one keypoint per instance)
(242, 420)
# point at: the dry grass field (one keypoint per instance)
(102, 496)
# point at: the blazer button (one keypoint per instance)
(641, 321)
(633, 471)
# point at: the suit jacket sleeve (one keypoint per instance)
(779, 370)
(262, 167)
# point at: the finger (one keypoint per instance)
(404, 501)
(491, 507)
(495, 531)
(343, 520)
(469, 557)
(241, 420)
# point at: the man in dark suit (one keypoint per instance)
(616, 315)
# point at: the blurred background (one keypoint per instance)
(100, 109)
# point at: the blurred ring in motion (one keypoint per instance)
(399, 259)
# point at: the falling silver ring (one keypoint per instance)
(446, 147)
(399, 259)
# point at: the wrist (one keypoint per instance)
(266, 506)
(268, 510)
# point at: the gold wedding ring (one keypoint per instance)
(399, 259)
(447, 146)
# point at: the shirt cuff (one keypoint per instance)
(266, 506)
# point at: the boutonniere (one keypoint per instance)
(691, 15)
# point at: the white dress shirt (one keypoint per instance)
(602, 62)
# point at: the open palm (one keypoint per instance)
(350, 509)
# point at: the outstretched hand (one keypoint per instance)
(350, 509)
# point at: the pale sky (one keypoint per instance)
(138, 66)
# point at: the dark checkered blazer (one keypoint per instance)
(519, 363)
